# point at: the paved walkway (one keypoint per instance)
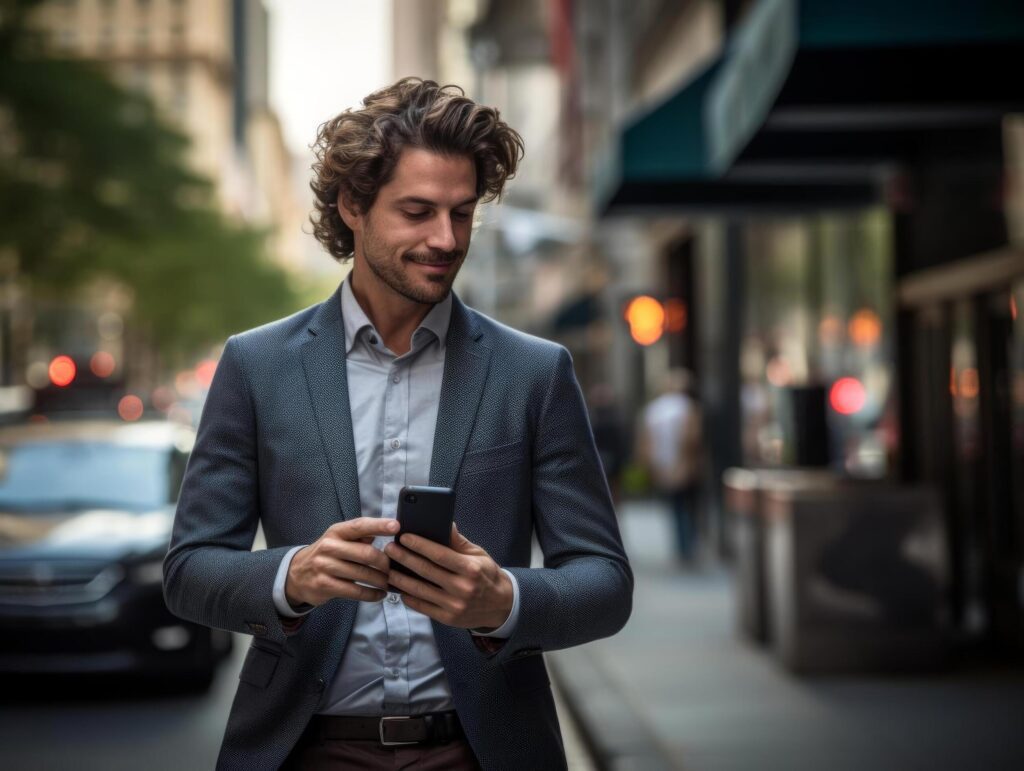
(677, 688)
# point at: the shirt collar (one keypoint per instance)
(355, 318)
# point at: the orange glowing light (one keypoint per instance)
(865, 328)
(848, 396)
(646, 318)
(676, 315)
(204, 372)
(1013, 307)
(102, 364)
(130, 407)
(952, 381)
(62, 371)
(969, 383)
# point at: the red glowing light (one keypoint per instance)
(675, 315)
(62, 371)
(130, 407)
(204, 372)
(102, 364)
(848, 396)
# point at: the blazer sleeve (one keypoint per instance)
(584, 591)
(211, 576)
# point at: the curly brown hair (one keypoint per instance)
(357, 151)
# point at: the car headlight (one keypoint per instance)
(147, 573)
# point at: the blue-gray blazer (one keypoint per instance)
(275, 446)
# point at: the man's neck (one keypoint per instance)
(393, 316)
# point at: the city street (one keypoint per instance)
(677, 688)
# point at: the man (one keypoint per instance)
(314, 423)
(670, 449)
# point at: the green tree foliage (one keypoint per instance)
(93, 184)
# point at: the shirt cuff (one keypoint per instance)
(505, 630)
(280, 599)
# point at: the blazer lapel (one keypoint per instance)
(465, 372)
(323, 358)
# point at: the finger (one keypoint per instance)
(356, 551)
(361, 527)
(428, 609)
(418, 564)
(417, 588)
(353, 571)
(435, 552)
(462, 544)
(339, 588)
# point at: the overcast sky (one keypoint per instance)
(325, 56)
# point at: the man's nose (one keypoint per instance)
(442, 235)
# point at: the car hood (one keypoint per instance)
(88, 534)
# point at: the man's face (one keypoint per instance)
(414, 238)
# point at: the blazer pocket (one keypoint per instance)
(260, 664)
(527, 674)
(492, 457)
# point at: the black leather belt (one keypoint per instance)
(390, 731)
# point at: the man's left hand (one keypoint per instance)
(471, 591)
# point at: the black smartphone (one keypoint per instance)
(426, 512)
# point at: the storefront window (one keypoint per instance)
(818, 321)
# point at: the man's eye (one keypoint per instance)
(462, 216)
(415, 215)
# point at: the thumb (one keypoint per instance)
(460, 543)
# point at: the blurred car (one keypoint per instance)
(86, 510)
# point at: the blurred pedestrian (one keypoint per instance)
(670, 449)
(314, 424)
(610, 435)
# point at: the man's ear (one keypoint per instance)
(349, 214)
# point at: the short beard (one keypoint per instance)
(395, 279)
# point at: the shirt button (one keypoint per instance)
(394, 673)
(396, 379)
(392, 598)
(395, 444)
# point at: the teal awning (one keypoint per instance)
(820, 65)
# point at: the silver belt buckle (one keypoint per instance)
(385, 743)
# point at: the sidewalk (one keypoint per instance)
(678, 688)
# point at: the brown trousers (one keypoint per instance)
(313, 754)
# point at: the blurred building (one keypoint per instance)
(205, 66)
(831, 189)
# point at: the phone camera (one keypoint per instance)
(410, 498)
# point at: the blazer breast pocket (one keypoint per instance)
(260, 664)
(491, 458)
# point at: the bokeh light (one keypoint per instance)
(130, 407)
(204, 372)
(646, 318)
(62, 371)
(847, 396)
(676, 315)
(865, 328)
(102, 364)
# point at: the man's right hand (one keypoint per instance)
(344, 554)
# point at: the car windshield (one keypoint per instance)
(61, 476)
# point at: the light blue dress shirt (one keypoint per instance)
(391, 665)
